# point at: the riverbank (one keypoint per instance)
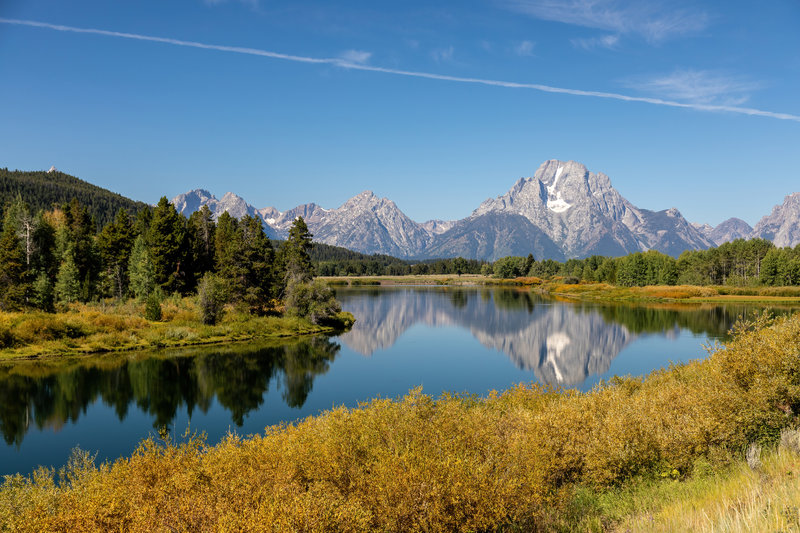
(531, 458)
(671, 293)
(120, 326)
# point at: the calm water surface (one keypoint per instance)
(443, 339)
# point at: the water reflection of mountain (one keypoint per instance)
(561, 343)
(49, 395)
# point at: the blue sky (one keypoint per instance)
(231, 95)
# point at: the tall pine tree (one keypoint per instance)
(202, 230)
(115, 242)
(296, 253)
(165, 239)
(13, 279)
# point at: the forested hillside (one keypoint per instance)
(42, 190)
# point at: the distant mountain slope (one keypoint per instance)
(43, 190)
(730, 230)
(494, 235)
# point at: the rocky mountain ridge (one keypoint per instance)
(562, 211)
(782, 225)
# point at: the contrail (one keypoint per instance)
(339, 62)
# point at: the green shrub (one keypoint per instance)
(152, 307)
(210, 299)
(314, 300)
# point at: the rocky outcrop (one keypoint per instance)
(782, 226)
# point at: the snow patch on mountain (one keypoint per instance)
(559, 205)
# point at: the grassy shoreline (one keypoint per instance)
(669, 293)
(114, 327)
(626, 455)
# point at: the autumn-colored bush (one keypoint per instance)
(457, 463)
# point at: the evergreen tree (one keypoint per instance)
(80, 229)
(202, 230)
(296, 253)
(114, 243)
(256, 257)
(13, 279)
(302, 297)
(228, 253)
(165, 241)
(140, 270)
(45, 244)
(43, 292)
(68, 285)
(142, 224)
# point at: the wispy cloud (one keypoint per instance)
(696, 86)
(649, 19)
(525, 48)
(443, 54)
(410, 73)
(355, 56)
(606, 41)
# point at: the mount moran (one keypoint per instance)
(563, 211)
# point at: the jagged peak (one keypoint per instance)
(198, 192)
(231, 196)
(366, 198)
(795, 196)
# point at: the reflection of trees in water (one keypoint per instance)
(51, 395)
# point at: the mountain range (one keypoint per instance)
(563, 211)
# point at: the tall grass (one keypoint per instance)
(523, 459)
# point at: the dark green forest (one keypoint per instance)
(51, 258)
(335, 261)
(45, 190)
